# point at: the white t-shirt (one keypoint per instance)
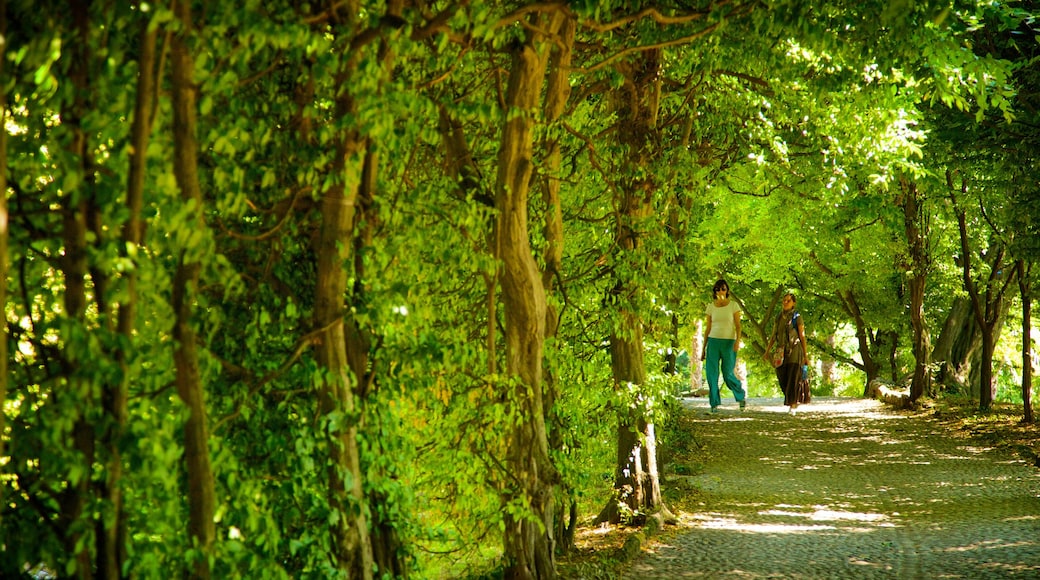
(722, 320)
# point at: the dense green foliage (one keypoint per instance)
(788, 141)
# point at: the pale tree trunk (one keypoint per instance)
(696, 364)
(1026, 290)
(201, 497)
(957, 346)
(557, 93)
(828, 368)
(528, 545)
(4, 261)
(918, 264)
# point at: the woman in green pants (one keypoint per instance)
(721, 344)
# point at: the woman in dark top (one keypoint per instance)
(789, 334)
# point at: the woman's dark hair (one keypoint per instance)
(719, 286)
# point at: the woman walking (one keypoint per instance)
(721, 344)
(789, 334)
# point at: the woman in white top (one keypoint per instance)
(721, 344)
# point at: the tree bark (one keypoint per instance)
(74, 498)
(351, 545)
(696, 346)
(637, 481)
(918, 265)
(863, 338)
(957, 348)
(4, 260)
(112, 538)
(528, 541)
(989, 306)
(387, 548)
(1026, 291)
(201, 497)
(557, 94)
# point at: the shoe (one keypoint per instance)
(743, 405)
(793, 411)
(714, 410)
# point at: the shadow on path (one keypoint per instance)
(849, 489)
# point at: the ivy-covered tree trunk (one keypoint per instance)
(637, 482)
(351, 546)
(918, 265)
(528, 541)
(201, 497)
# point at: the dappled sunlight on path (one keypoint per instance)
(848, 489)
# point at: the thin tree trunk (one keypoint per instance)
(527, 544)
(387, 548)
(918, 266)
(870, 366)
(988, 307)
(112, 548)
(1026, 291)
(74, 498)
(696, 364)
(828, 368)
(201, 491)
(4, 261)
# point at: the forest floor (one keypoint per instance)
(848, 488)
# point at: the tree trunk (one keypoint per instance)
(637, 481)
(528, 541)
(4, 265)
(112, 538)
(201, 497)
(957, 348)
(828, 368)
(918, 265)
(387, 548)
(351, 540)
(863, 338)
(75, 497)
(988, 307)
(557, 93)
(1026, 291)
(696, 365)
(636, 477)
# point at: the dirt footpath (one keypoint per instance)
(849, 489)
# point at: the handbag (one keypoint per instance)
(804, 387)
(775, 357)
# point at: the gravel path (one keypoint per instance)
(849, 489)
